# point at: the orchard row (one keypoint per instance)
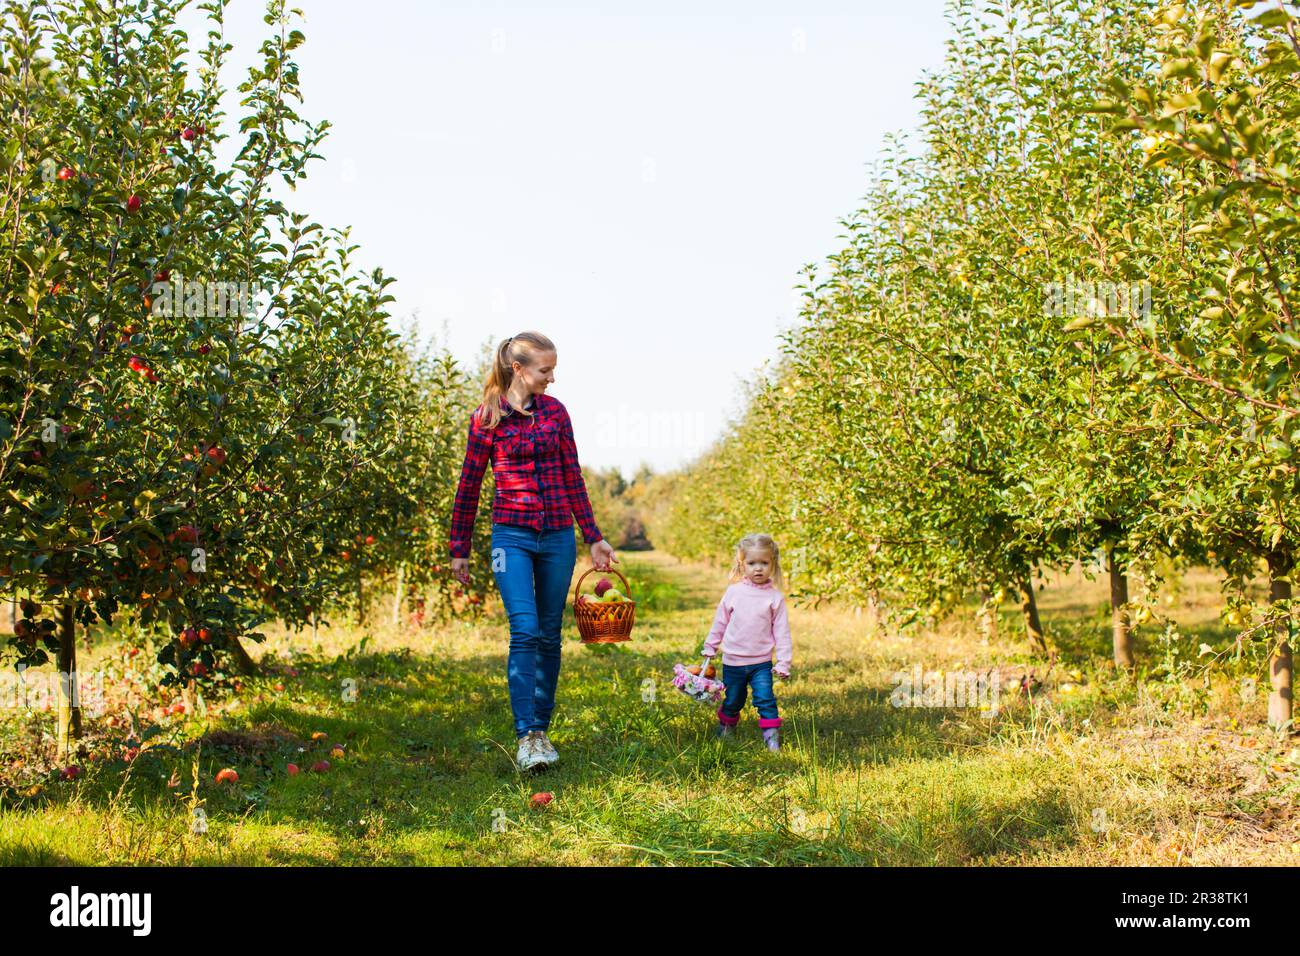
(204, 469)
(1062, 329)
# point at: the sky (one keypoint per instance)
(641, 182)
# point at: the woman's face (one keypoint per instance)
(540, 374)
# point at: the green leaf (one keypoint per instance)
(1275, 17)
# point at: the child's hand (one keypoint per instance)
(781, 675)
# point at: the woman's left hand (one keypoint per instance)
(601, 555)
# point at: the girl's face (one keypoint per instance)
(758, 566)
(537, 376)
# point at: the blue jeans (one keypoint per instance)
(738, 680)
(533, 570)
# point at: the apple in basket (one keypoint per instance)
(710, 672)
(602, 586)
(693, 670)
(611, 596)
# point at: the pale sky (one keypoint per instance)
(641, 186)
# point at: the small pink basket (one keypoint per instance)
(697, 686)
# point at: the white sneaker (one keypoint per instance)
(548, 748)
(531, 756)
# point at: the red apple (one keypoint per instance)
(227, 776)
(540, 800)
(133, 203)
(66, 173)
(188, 133)
(602, 586)
(320, 766)
(292, 769)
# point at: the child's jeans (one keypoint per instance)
(533, 570)
(738, 679)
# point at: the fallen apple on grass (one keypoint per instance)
(540, 800)
(227, 776)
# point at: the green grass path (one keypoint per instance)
(427, 776)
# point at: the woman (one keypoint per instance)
(528, 438)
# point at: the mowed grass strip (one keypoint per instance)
(1101, 776)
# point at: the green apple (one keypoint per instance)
(611, 596)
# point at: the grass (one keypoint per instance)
(1113, 772)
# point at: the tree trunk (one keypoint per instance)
(361, 601)
(69, 713)
(1029, 607)
(987, 618)
(243, 662)
(1279, 664)
(1121, 628)
(397, 594)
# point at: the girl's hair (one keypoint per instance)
(522, 348)
(758, 542)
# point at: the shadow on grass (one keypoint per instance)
(427, 766)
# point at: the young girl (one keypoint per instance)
(750, 624)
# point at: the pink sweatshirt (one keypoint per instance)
(750, 624)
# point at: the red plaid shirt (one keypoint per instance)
(535, 467)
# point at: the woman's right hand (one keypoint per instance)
(460, 570)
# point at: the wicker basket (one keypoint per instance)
(604, 623)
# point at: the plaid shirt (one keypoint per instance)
(535, 467)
